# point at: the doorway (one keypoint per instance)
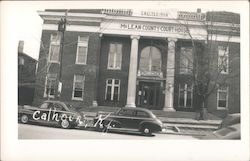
(149, 95)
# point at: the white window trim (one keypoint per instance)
(113, 85)
(45, 88)
(54, 43)
(114, 68)
(20, 61)
(185, 95)
(222, 108)
(225, 53)
(82, 44)
(77, 98)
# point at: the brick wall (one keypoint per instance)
(122, 74)
(69, 68)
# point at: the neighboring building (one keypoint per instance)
(26, 76)
(136, 58)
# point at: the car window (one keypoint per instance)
(45, 105)
(126, 113)
(58, 107)
(142, 114)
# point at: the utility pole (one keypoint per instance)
(61, 28)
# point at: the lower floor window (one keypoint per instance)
(78, 86)
(222, 95)
(112, 90)
(185, 95)
(50, 85)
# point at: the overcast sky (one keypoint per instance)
(22, 20)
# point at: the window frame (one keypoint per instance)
(20, 61)
(73, 90)
(218, 98)
(54, 43)
(150, 60)
(225, 51)
(185, 90)
(113, 85)
(115, 57)
(185, 69)
(45, 87)
(82, 44)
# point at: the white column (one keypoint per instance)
(169, 90)
(132, 71)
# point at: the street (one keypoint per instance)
(27, 131)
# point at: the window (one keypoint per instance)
(185, 95)
(142, 114)
(78, 86)
(82, 50)
(50, 85)
(112, 90)
(127, 113)
(54, 48)
(223, 59)
(222, 95)
(115, 56)
(186, 60)
(150, 61)
(20, 61)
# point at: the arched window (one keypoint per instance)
(150, 60)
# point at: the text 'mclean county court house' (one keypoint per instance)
(135, 58)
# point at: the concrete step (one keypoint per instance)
(191, 126)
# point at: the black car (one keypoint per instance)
(129, 119)
(50, 113)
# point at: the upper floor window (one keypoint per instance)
(50, 85)
(150, 60)
(20, 61)
(112, 90)
(223, 59)
(115, 56)
(78, 87)
(54, 48)
(82, 50)
(186, 60)
(185, 95)
(222, 97)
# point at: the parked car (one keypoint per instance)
(50, 113)
(228, 132)
(230, 120)
(129, 119)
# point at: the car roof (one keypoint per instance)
(53, 101)
(137, 109)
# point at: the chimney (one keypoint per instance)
(198, 10)
(20, 46)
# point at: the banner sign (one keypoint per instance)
(155, 28)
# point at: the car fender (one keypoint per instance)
(154, 126)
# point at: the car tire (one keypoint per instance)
(146, 131)
(65, 124)
(101, 128)
(24, 119)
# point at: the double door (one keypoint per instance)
(149, 95)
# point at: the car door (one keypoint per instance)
(43, 113)
(140, 117)
(126, 118)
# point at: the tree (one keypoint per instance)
(208, 74)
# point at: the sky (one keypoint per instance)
(23, 18)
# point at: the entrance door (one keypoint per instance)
(149, 95)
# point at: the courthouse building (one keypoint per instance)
(115, 57)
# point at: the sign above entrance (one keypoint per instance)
(154, 28)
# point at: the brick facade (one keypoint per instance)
(96, 70)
